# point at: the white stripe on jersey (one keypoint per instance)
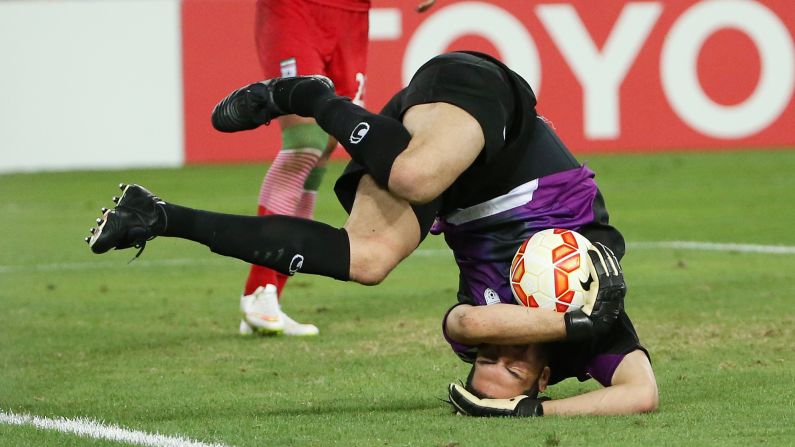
(515, 197)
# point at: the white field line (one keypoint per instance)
(424, 252)
(714, 246)
(93, 429)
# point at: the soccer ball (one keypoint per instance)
(551, 270)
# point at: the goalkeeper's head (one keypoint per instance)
(502, 372)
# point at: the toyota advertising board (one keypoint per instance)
(611, 75)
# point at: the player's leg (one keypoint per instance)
(381, 231)
(632, 390)
(455, 106)
(306, 204)
(448, 127)
(374, 141)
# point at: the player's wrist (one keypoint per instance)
(579, 326)
(529, 407)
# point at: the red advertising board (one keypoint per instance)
(612, 75)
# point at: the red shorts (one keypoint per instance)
(299, 37)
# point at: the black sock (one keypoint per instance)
(374, 141)
(283, 243)
(301, 96)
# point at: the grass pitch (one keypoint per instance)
(153, 345)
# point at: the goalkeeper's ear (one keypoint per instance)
(468, 404)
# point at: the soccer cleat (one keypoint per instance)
(291, 328)
(253, 105)
(261, 310)
(258, 316)
(294, 328)
(136, 219)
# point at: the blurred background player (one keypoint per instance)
(297, 37)
(301, 37)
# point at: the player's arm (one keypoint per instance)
(504, 324)
(508, 324)
(633, 390)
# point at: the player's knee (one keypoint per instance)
(371, 261)
(414, 184)
(370, 271)
(371, 276)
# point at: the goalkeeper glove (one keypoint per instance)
(599, 314)
(468, 404)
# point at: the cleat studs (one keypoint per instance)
(104, 210)
(121, 186)
(115, 199)
(88, 240)
(92, 230)
(99, 221)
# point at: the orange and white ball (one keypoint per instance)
(551, 270)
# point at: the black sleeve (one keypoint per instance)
(597, 358)
(621, 339)
(472, 83)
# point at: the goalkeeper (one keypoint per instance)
(460, 151)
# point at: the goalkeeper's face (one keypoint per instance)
(502, 372)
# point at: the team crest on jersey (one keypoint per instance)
(289, 68)
(491, 297)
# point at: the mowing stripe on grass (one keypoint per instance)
(93, 429)
(429, 252)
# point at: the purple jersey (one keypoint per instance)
(485, 237)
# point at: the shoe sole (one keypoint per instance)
(294, 334)
(262, 327)
(105, 216)
(247, 330)
(262, 331)
(95, 237)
